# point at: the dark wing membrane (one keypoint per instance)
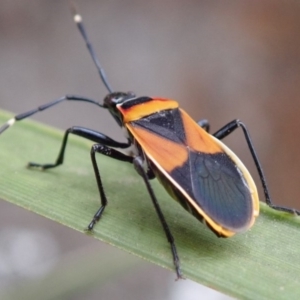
(210, 177)
(166, 124)
(218, 187)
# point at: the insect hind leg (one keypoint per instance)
(228, 129)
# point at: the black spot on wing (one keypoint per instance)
(165, 123)
(214, 182)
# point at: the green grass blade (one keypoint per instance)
(263, 263)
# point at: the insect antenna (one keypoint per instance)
(78, 20)
(29, 113)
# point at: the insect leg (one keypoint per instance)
(85, 133)
(101, 139)
(229, 128)
(29, 113)
(111, 153)
(204, 124)
(138, 164)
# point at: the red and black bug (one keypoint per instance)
(195, 167)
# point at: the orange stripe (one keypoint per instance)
(196, 137)
(139, 111)
(164, 152)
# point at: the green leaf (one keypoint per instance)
(263, 263)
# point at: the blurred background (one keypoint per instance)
(220, 59)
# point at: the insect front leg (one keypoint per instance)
(138, 164)
(89, 134)
(228, 129)
(103, 146)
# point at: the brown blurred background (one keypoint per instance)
(220, 59)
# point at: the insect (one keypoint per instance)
(163, 142)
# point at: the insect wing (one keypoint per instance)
(208, 175)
